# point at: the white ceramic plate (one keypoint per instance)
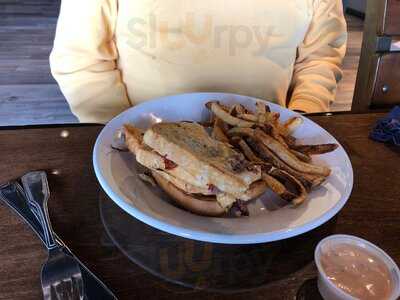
(117, 173)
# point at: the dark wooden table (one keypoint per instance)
(284, 269)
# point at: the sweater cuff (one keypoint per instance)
(308, 106)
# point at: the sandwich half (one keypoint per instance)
(201, 174)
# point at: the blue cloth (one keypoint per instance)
(387, 129)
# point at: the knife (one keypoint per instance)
(14, 196)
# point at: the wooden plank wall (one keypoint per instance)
(345, 90)
(29, 94)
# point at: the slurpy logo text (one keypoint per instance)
(152, 32)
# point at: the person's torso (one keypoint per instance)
(176, 46)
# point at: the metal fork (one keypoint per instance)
(61, 276)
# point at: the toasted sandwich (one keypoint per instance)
(201, 174)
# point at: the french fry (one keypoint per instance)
(302, 156)
(246, 150)
(218, 131)
(262, 151)
(282, 130)
(260, 119)
(301, 194)
(221, 124)
(221, 113)
(248, 117)
(261, 107)
(255, 190)
(285, 155)
(273, 131)
(315, 149)
(290, 141)
(272, 182)
(292, 124)
(237, 109)
(277, 187)
(271, 122)
(273, 117)
(240, 131)
(269, 118)
(223, 106)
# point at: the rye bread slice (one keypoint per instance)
(189, 146)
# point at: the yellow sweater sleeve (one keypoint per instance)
(317, 68)
(83, 60)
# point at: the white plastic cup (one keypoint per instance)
(329, 291)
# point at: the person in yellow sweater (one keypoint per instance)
(109, 55)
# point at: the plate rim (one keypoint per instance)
(200, 235)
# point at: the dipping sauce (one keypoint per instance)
(356, 271)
